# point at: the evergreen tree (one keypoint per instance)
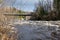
(57, 8)
(39, 13)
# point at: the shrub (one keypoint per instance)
(7, 32)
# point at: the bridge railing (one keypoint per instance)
(17, 14)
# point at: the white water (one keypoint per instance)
(35, 30)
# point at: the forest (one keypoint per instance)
(52, 15)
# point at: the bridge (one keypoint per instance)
(17, 14)
(11, 3)
(27, 15)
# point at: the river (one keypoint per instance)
(36, 30)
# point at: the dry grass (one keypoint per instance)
(7, 32)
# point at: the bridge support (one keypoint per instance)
(28, 17)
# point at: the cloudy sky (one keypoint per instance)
(26, 5)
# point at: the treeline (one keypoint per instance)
(41, 14)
